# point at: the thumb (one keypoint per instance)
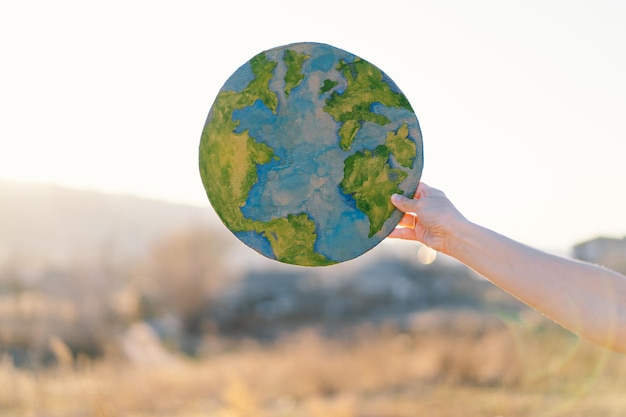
(403, 203)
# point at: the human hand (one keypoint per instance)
(430, 218)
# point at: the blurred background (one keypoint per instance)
(115, 305)
(121, 293)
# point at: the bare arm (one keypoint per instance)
(587, 299)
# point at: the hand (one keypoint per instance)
(585, 298)
(430, 218)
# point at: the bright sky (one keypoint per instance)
(522, 104)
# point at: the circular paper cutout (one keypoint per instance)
(302, 149)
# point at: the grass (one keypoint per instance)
(461, 364)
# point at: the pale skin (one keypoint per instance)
(587, 299)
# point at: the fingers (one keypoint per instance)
(422, 189)
(408, 220)
(403, 233)
(404, 204)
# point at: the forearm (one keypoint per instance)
(587, 299)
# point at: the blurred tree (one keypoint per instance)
(181, 276)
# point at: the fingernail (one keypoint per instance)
(395, 198)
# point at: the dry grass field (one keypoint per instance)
(447, 364)
(103, 335)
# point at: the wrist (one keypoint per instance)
(460, 236)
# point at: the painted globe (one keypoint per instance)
(302, 149)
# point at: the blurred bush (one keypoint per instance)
(89, 304)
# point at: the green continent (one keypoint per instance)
(292, 239)
(294, 74)
(228, 167)
(228, 160)
(371, 181)
(403, 148)
(327, 86)
(366, 85)
(228, 163)
(258, 89)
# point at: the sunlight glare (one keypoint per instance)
(426, 255)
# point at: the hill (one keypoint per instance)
(49, 223)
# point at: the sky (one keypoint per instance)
(522, 104)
